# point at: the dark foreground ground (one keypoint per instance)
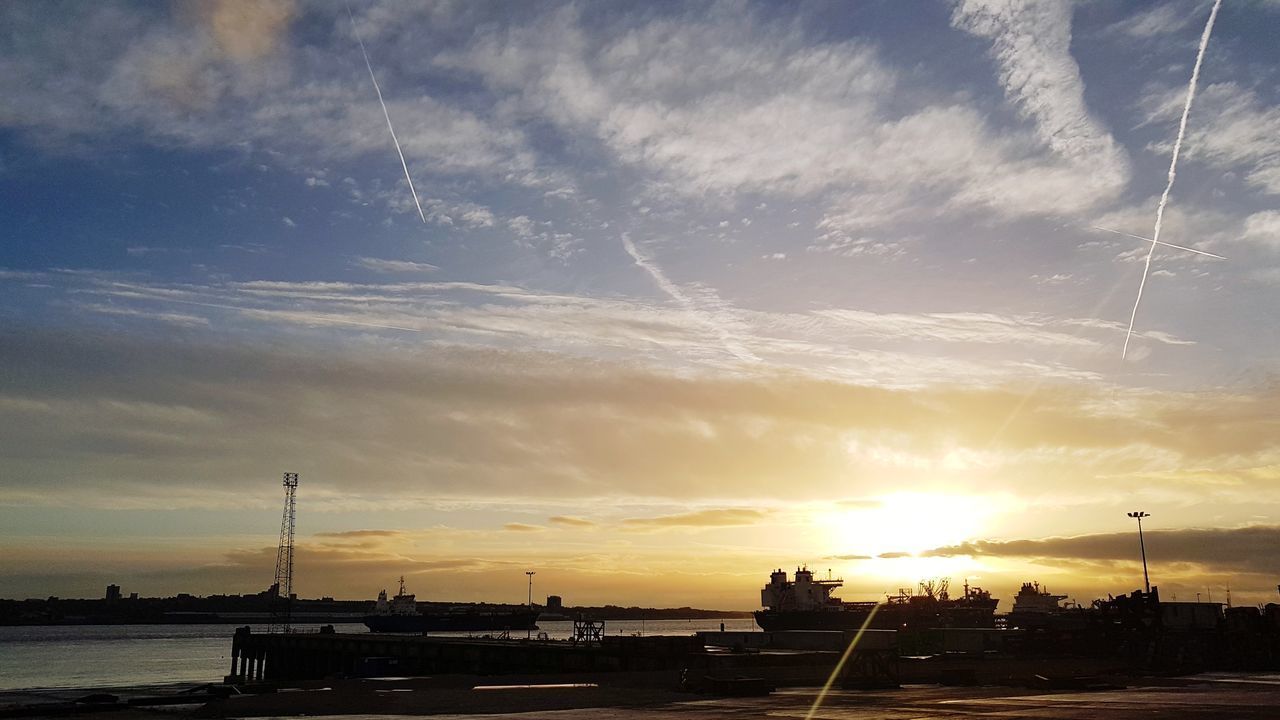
(1204, 696)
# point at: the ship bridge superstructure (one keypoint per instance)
(803, 593)
(1033, 598)
(402, 604)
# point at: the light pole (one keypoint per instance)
(530, 573)
(1146, 579)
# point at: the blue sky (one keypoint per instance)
(690, 275)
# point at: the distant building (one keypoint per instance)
(113, 593)
(554, 603)
(133, 596)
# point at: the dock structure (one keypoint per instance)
(698, 661)
(803, 657)
(257, 657)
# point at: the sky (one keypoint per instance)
(695, 291)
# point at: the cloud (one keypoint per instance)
(956, 327)
(171, 318)
(1233, 128)
(571, 521)
(501, 392)
(725, 101)
(716, 517)
(1032, 45)
(859, 503)
(521, 225)
(226, 75)
(1263, 228)
(1246, 549)
(246, 29)
(380, 265)
(361, 534)
(1157, 21)
(140, 250)
(522, 527)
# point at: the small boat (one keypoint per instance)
(401, 614)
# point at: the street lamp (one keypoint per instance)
(529, 631)
(1146, 579)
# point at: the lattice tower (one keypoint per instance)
(282, 603)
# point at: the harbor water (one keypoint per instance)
(100, 656)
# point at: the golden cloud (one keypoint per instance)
(246, 30)
(716, 517)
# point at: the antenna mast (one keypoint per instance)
(282, 602)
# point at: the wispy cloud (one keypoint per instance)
(886, 348)
(1233, 127)
(714, 517)
(361, 534)
(571, 521)
(395, 266)
(1031, 43)
(522, 527)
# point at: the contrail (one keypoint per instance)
(1173, 169)
(1158, 242)
(386, 114)
(673, 290)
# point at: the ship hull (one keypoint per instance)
(771, 621)
(888, 617)
(454, 622)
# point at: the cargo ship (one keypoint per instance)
(807, 603)
(1034, 607)
(401, 614)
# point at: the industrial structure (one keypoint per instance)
(281, 606)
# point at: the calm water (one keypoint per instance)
(126, 655)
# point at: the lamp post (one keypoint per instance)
(530, 573)
(1146, 579)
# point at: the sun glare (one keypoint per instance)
(888, 538)
(902, 524)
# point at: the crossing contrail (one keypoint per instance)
(386, 114)
(1173, 169)
(674, 291)
(1159, 242)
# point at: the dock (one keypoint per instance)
(691, 660)
(259, 657)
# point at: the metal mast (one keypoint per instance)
(1146, 579)
(282, 603)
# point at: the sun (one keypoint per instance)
(889, 537)
(909, 523)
